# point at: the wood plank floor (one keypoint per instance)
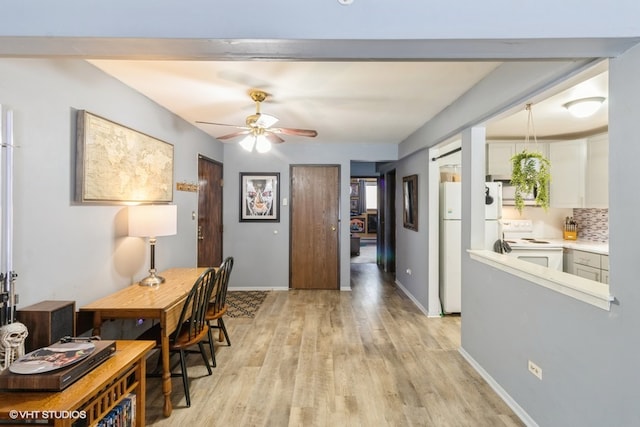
(327, 358)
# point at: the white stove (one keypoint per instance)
(518, 233)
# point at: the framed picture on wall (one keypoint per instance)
(355, 189)
(259, 196)
(410, 202)
(116, 164)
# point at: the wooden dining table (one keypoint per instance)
(163, 303)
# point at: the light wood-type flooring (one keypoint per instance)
(367, 357)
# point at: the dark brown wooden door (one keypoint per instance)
(388, 228)
(209, 213)
(315, 213)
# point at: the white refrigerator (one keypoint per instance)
(451, 238)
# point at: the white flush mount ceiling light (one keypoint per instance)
(584, 107)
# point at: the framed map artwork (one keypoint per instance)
(116, 164)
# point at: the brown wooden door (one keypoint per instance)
(388, 228)
(315, 213)
(209, 212)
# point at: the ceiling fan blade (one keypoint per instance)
(298, 132)
(234, 134)
(265, 120)
(273, 138)
(222, 124)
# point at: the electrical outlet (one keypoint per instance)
(535, 370)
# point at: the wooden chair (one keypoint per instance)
(218, 306)
(192, 326)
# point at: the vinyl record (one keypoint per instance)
(55, 356)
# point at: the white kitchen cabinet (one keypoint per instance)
(499, 154)
(590, 265)
(604, 265)
(597, 172)
(587, 272)
(580, 173)
(568, 166)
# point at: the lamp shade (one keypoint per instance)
(153, 220)
(262, 144)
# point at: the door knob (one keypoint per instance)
(333, 228)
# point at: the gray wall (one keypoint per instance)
(412, 246)
(588, 356)
(261, 251)
(63, 250)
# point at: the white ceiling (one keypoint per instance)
(346, 102)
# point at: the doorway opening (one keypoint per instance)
(363, 223)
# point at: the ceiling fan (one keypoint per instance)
(258, 130)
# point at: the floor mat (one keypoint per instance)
(244, 303)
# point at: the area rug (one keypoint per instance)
(244, 303)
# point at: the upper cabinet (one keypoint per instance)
(568, 161)
(580, 173)
(499, 154)
(579, 168)
(597, 185)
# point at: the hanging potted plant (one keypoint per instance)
(530, 171)
(530, 175)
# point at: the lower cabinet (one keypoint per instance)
(589, 265)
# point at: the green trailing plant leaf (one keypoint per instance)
(530, 174)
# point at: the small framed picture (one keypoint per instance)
(259, 196)
(355, 189)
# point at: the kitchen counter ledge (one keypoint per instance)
(588, 291)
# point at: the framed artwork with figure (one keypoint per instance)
(259, 196)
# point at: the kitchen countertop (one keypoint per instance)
(587, 245)
(581, 245)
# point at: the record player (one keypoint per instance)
(55, 367)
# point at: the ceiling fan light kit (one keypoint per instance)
(258, 131)
(262, 144)
(584, 107)
(247, 142)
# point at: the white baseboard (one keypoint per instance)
(521, 413)
(415, 301)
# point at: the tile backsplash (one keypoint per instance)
(593, 224)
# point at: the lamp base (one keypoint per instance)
(151, 280)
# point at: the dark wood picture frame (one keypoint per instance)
(410, 202)
(259, 197)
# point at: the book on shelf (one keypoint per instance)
(122, 415)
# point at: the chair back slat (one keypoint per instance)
(192, 317)
(219, 295)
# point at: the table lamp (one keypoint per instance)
(152, 221)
